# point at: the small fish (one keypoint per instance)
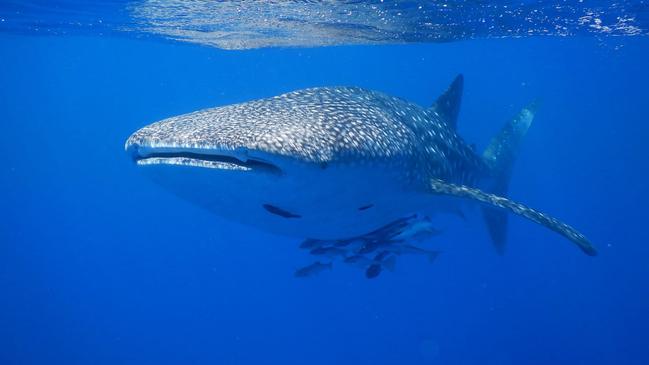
(419, 230)
(381, 255)
(389, 263)
(311, 243)
(373, 271)
(355, 245)
(384, 259)
(409, 249)
(372, 246)
(330, 252)
(389, 229)
(350, 243)
(360, 261)
(313, 269)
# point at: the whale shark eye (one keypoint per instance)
(364, 207)
(280, 212)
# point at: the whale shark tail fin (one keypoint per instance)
(447, 105)
(499, 157)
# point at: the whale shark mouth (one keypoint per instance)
(222, 161)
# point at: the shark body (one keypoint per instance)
(336, 162)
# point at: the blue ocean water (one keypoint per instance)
(98, 265)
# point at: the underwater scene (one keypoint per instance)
(324, 182)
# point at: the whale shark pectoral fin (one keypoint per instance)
(447, 105)
(461, 191)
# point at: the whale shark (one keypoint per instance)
(334, 163)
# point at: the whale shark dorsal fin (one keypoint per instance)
(447, 105)
(495, 201)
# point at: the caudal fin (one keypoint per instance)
(499, 157)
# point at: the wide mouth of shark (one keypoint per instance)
(234, 160)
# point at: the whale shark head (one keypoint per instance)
(323, 162)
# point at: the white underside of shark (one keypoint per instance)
(349, 200)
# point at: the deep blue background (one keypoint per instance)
(100, 266)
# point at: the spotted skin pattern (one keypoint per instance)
(328, 125)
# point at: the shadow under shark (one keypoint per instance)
(336, 162)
